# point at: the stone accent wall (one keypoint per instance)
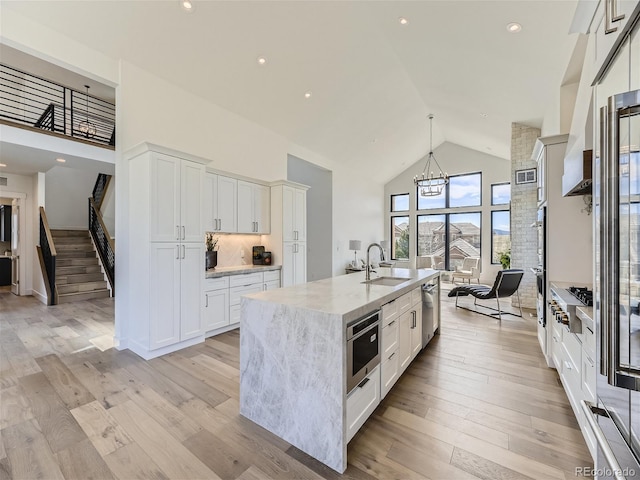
(524, 209)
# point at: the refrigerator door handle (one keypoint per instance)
(590, 412)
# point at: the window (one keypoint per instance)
(461, 191)
(465, 190)
(449, 238)
(500, 233)
(400, 238)
(500, 194)
(400, 203)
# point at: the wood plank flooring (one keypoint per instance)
(477, 403)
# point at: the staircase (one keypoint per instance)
(78, 275)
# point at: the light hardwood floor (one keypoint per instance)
(478, 402)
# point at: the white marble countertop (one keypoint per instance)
(346, 295)
(238, 270)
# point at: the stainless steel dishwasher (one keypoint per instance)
(430, 310)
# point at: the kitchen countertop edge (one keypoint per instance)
(238, 270)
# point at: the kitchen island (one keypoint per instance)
(293, 357)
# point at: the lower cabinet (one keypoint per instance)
(410, 335)
(294, 263)
(175, 271)
(221, 297)
(362, 401)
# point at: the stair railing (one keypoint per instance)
(47, 256)
(104, 243)
(100, 188)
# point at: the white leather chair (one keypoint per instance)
(469, 269)
(425, 261)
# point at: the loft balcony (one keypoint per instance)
(31, 102)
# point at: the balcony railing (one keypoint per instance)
(28, 100)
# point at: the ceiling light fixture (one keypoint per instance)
(430, 185)
(85, 127)
(3, 164)
(262, 60)
(61, 160)
(307, 95)
(186, 5)
(484, 115)
(403, 21)
(514, 27)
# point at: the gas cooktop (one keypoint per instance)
(583, 294)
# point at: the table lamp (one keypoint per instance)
(355, 245)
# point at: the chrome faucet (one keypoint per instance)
(368, 267)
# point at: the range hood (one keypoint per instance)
(577, 174)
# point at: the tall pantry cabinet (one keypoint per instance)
(288, 239)
(167, 251)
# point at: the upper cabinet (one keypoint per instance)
(220, 203)
(611, 21)
(175, 199)
(294, 207)
(254, 206)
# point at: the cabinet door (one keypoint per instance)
(262, 208)
(164, 294)
(300, 215)
(389, 372)
(246, 218)
(215, 311)
(272, 285)
(404, 341)
(288, 264)
(209, 192)
(165, 199)
(191, 202)
(191, 273)
(416, 332)
(226, 204)
(288, 213)
(300, 263)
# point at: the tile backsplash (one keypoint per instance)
(232, 246)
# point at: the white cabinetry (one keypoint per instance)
(289, 231)
(220, 200)
(253, 208)
(215, 310)
(167, 259)
(362, 401)
(410, 334)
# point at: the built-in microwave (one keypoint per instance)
(363, 348)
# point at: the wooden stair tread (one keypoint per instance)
(79, 278)
(80, 296)
(81, 287)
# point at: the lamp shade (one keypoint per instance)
(355, 244)
(385, 244)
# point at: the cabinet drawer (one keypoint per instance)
(404, 303)
(389, 312)
(236, 292)
(272, 285)
(234, 314)
(588, 377)
(416, 296)
(271, 275)
(389, 339)
(389, 373)
(245, 279)
(556, 349)
(573, 347)
(362, 401)
(217, 283)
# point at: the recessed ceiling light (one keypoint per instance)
(484, 115)
(61, 160)
(186, 5)
(403, 21)
(307, 94)
(3, 164)
(262, 60)
(514, 27)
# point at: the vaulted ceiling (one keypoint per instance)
(373, 80)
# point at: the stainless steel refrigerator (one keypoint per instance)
(616, 196)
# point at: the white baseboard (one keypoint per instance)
(42, 298)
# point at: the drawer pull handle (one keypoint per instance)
(567, 364)
(391, 323)
(390, 356)
(363, 382)
(591, 364)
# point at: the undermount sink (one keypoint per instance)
(387, 281)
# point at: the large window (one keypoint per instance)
(500, 234)
(449, 238)
(400, 203)
(461, 191)
(400, 238)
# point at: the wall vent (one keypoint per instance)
(3, 181)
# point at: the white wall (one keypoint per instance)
(453, 159)
(67, 191)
